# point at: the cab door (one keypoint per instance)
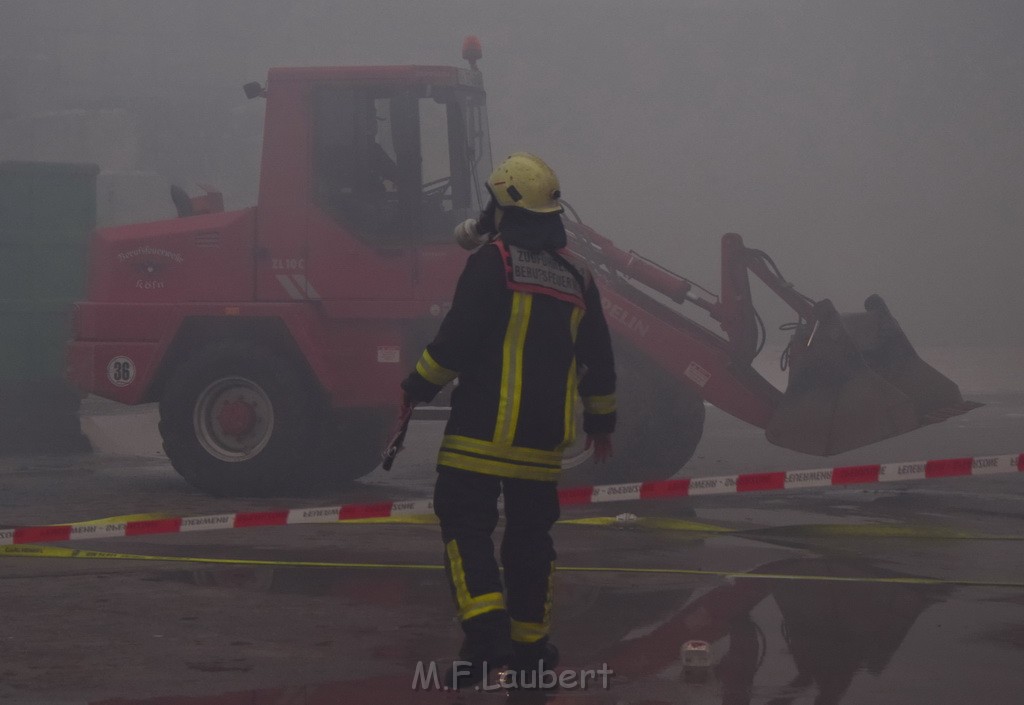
(456, 161)
(365, 184)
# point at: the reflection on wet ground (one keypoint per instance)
(901, 594)
(823, 625)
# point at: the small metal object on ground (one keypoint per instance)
(696, 655)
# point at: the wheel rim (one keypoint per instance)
(233, 419)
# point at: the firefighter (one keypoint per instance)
(525, 335)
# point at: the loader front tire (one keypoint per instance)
(238, 419)
(350, 444)
(660, 423)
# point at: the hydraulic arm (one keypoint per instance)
(854, 379)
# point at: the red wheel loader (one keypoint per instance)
(274, 337)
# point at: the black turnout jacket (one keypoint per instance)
(525, 336)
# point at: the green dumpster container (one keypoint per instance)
(47, 211)
(48, 197)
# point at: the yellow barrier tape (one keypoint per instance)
(650, 523)
(891, 531)
(810, 578)
(123, 519)
(410, 519)
(116, 520)
(36, 551)
(800, 530)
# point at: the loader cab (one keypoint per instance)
(363, 168)
(399, 164)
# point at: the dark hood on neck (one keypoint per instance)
(532, 231)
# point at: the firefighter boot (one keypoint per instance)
(532, 666)
(487, 647)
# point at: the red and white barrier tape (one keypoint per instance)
(658, 489)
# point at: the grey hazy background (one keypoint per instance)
(875, 145)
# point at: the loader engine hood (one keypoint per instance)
(201, 258)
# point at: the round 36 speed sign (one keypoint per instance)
(121, 371)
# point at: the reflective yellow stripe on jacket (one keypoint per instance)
(599, 404)
(570, 385)
(433, 372)
(491, 458)
(512, 368)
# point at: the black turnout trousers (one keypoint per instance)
(466, 505)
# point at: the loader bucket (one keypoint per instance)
(887, 351)
(835, 401)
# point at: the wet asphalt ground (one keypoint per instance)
(803, 596)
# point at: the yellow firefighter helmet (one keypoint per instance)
(525, 181)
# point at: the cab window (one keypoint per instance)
(397, 165)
